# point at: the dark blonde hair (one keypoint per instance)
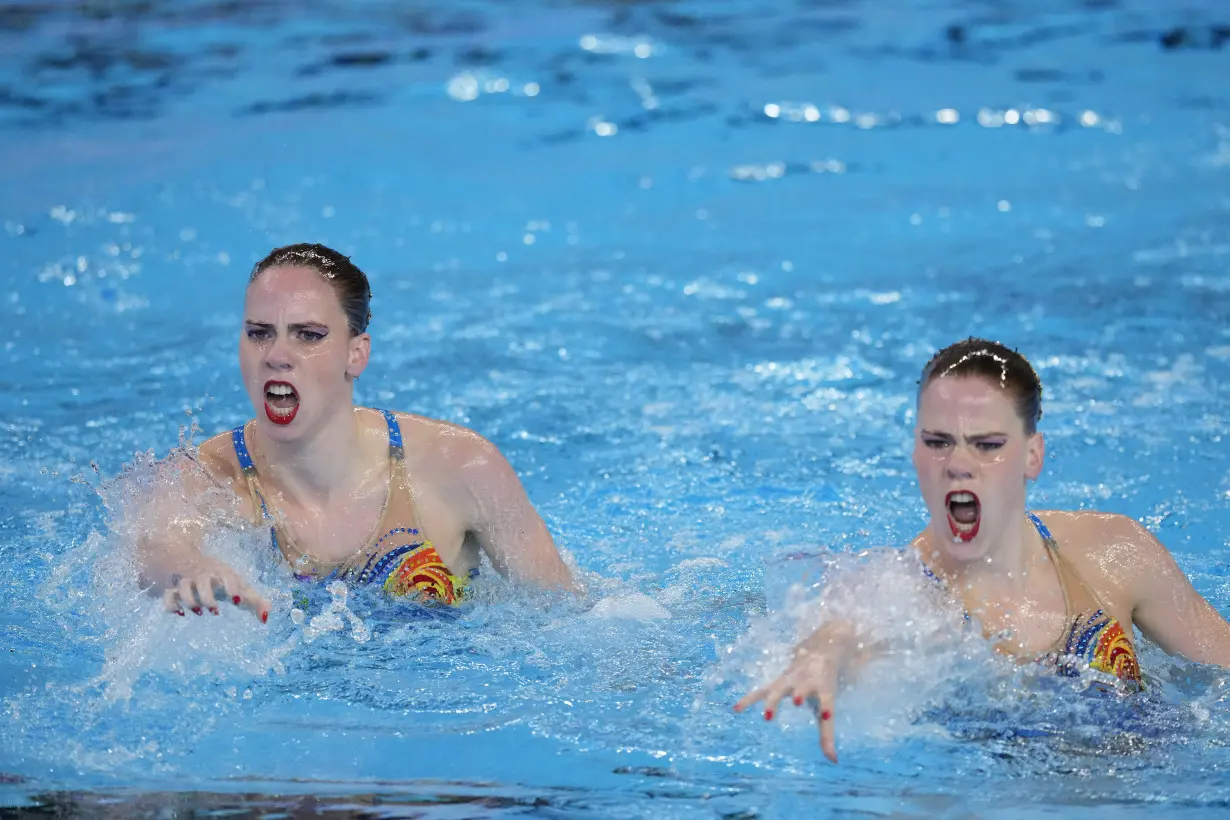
(349, 283)
(995, 363)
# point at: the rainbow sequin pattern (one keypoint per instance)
(1101, 645)
(413, 570)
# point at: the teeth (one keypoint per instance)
(962, 498)
(281, 389)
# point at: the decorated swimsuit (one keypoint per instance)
(401, 561)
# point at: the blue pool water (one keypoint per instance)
(682, 262)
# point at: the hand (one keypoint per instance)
(811, 676)
(195, 584)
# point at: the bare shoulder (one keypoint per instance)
(216, 455)
(446, 444)
(1109, 543)
(1095, 528)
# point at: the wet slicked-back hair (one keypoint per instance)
(996, 364)
(349, 283)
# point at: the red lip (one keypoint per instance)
(963, 532)
(277, 415)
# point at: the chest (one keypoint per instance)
(1041, 620)
(318, 536)
(1026, 625)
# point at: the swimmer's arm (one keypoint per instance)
(1167, 608)
(504, 522)
(167, 525)
(168, 529)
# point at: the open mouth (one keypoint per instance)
(281, 402)
(964, 514)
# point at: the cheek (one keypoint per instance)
(246, 359)
(325, 360)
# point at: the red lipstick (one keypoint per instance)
(281, 401)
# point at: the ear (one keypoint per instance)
(1035, 454)
(360, 350)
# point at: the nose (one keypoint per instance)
(960, 465)
(278, 357)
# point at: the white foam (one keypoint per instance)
(634, 606)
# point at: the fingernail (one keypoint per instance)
(826, 715)
(768, 714)
(236, 600)
(179, 612)
(197, 610)
(798, 700)
(214, 610)
(737, 708)
(264, 617)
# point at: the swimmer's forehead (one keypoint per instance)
(292, 295)
(969, 405)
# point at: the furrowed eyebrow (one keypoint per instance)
(971, 439)
(292, 327)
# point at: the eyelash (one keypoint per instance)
(259, 334)
(983, 446)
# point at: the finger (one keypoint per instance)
(170, 601)
(187, 595)
(778, 690)
(828, 735)
(249, 598)
(205, 593)
(241, 594)
(750, 698)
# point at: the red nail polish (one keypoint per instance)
(214, 610)
(197, 610)
(798, 700)
(768, 714)
(236, 600)
(264, 617)
(826, 715)
(179, 612)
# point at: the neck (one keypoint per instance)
(1005, 564)
(313, 467)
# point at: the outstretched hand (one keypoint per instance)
(812, 677)
(196, 585)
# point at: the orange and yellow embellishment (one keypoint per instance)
(1102, 645)
(413, 570)
(1115, 654)
(421, 573)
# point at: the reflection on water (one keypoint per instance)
(71, 62)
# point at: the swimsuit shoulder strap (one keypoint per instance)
(397, 451)
(249, 472)
(1065, 570)
(400, 487)
(1044, 531)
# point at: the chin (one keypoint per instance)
(964, 547)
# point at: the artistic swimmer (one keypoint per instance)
(367, 496)
(1064, 589)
